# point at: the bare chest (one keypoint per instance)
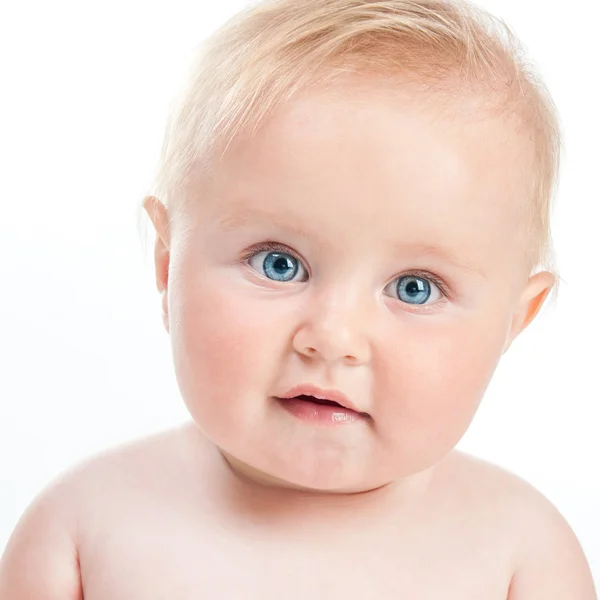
(150, 563)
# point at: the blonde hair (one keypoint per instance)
(275, 48)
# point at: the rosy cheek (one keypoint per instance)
(223, 333)
(440, 374)
(215, 332)
(466, 366)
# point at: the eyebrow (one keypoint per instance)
(241, 217)
(245, 216)
(445, 254)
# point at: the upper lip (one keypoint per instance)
(309, 389)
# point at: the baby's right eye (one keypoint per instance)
(277, 265)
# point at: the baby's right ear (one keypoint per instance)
(158, 214)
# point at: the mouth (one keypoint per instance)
(321, 401)
(310, 403)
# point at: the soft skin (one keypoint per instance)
(354, 186)
(361, 189)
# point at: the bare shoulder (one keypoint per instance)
(548, 561)
(42, 557)
(153, 466)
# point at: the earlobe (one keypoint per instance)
(158, 214)
(532, 299)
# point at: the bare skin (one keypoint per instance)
(167, 518)
(398, 229)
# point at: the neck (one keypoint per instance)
(277, 500)
(249, 494)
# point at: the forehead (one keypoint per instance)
(387, 163)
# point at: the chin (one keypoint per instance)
(306, 476)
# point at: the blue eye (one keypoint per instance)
(278, 266)
(413, 289)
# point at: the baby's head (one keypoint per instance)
(353, 196)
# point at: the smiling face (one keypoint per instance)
(358, 243)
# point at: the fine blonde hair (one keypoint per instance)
(274, 49)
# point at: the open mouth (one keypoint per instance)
(321, 410)
(320, 401)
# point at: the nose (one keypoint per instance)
(334, 331)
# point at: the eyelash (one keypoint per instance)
(277, 247)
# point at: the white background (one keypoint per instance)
(84, 362)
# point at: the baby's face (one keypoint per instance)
(358, 243)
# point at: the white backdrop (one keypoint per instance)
(84, 362)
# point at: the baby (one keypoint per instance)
(352, 226)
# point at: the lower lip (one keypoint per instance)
(322, 414)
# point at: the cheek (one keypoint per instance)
(213, 337)
(439, 378)
(223, 345)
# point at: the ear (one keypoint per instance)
(158, 214)
(531, 301)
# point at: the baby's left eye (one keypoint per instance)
(413, 289)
